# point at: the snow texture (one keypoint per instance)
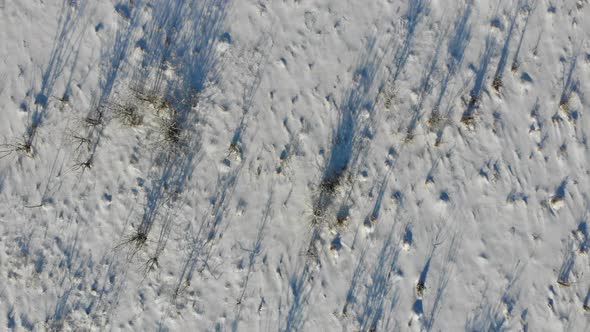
(294, 165)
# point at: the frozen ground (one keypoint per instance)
(295, 165)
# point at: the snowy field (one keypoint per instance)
(294, 165)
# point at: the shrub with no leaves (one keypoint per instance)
(129, 115)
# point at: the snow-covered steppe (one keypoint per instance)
(294, 165)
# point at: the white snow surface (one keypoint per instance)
(294, 165)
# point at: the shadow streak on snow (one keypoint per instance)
(567, 265)
(169, 179)
(461, 37)
(442, 283)
(425, 87)
(528, 8)
(195, 61)
(99, 115)
(412, 18)
(480, 75)
(586, 303)
(82, 285)
(65, 50)
(201, 238)
(114, 54)
(371, 310)
(569, 84)
(254, 252)
(418, 306)
(109, 286)
(181, 36)
(160, 43)
(357, 276)
(346, 146)
(583, 236)
(300, 291)
(497, 82)
(374, 215)
(417, 9)
(373, 306)
(70, 274)
(248, 95)
(457, 44)
(490, 316)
